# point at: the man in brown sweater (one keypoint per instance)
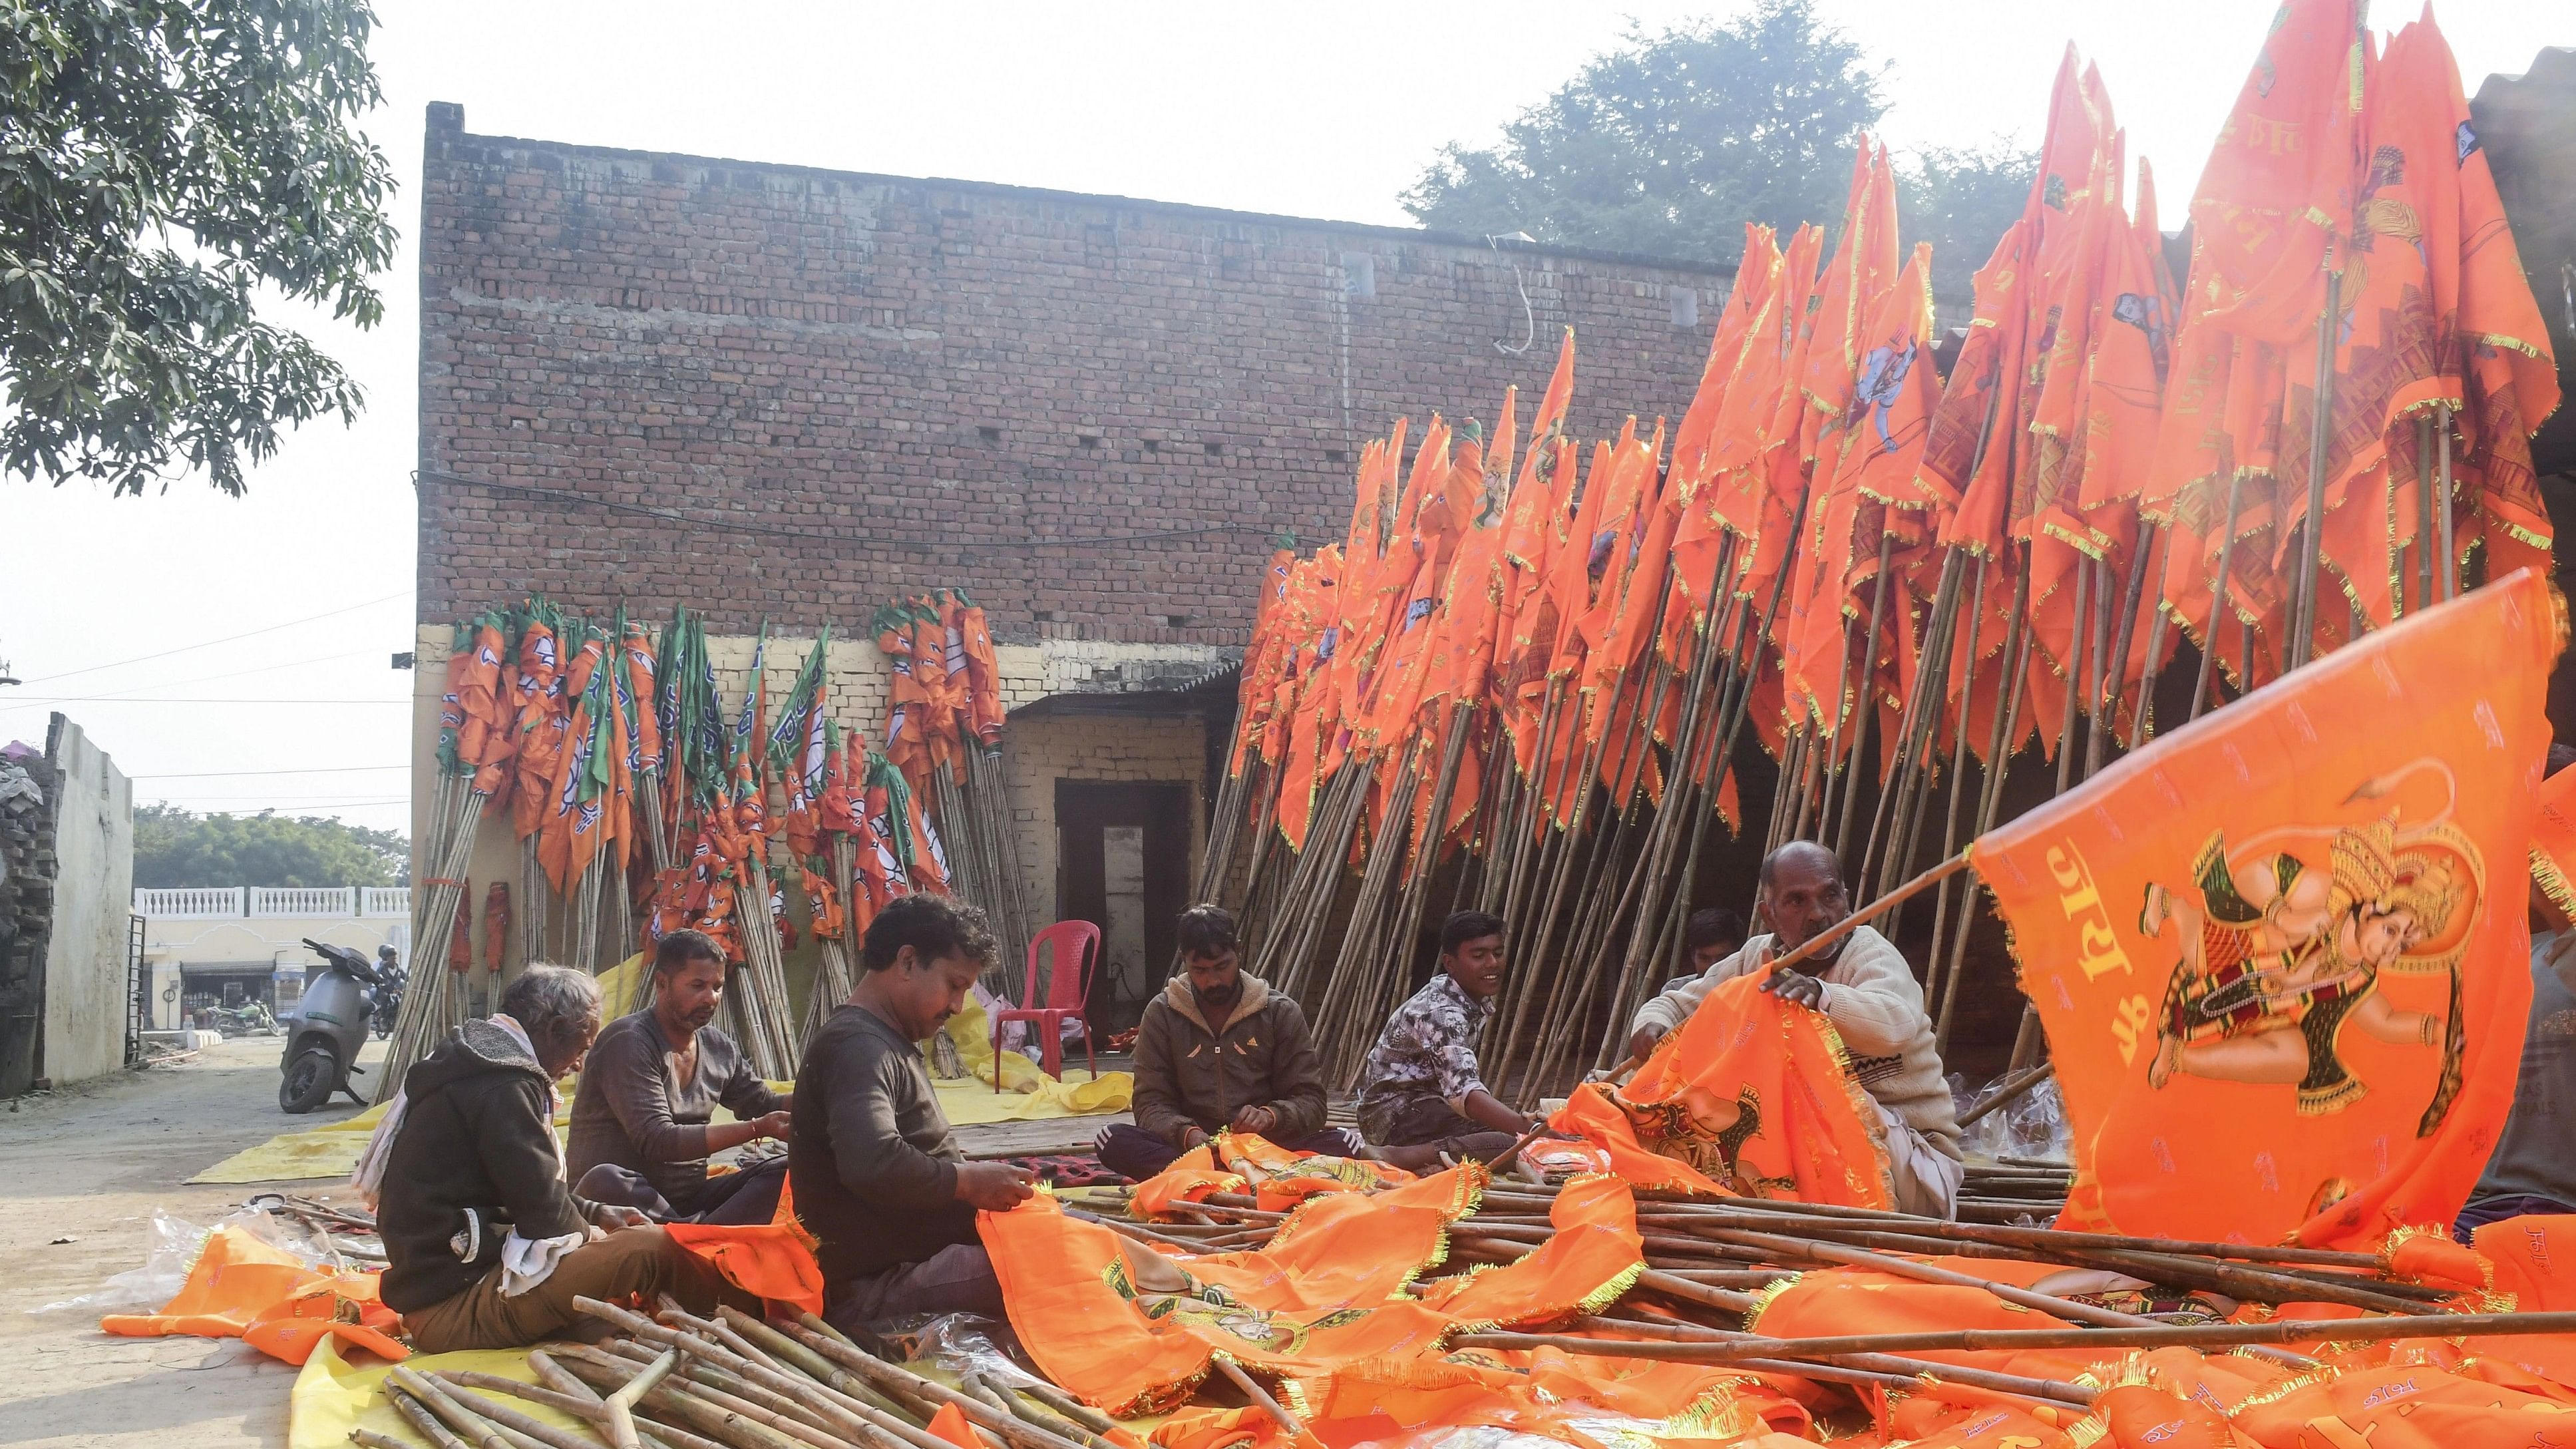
(484, 1246)
(643, 1119)
(1863, 986)
(1218, 1050)
(877, 1173)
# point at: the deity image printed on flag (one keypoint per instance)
(2283, 945)
(2281, 953)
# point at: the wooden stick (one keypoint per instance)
(1018, 1431)
(1815, 945)
(417, 1413)
(2330, 1330)
(1225, 1364)
(1504, 1159)
(2057, 1390)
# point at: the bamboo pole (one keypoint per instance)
(1861, 705)
(2218, 607)
(2303, 634)
(2209, 1335)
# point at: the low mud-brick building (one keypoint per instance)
(776, 393)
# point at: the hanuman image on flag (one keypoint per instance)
(2283, 940)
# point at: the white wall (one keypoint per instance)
(85, 1006)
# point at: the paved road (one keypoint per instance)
(91, 1164)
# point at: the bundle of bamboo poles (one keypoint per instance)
(436, 1003)
(772, 1039)
(984, 856)
(733, 1381)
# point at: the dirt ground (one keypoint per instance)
(90, 1164)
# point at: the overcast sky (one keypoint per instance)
(1318, 109)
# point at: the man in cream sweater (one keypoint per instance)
(1865, 988)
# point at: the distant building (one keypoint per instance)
(206, 947)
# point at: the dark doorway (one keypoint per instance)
(1123, 864)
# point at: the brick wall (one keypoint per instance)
(776, 391)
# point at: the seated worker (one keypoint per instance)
(1708, 937)
(484, 1247)
(876, 1171)
(2531, 1171)
(1865, 988)
(1220, 1049)
(641, 1128)
(1420, 1094)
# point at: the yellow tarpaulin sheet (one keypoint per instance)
(331, 1150)
(333, 1396)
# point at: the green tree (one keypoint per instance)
(1960, 200)
(1668, 145)
(176, 847)
(165, 160)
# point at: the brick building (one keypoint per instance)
(774, 392)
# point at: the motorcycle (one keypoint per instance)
(329, 1025)
(389, 995)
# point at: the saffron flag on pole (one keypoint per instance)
(2283, 948)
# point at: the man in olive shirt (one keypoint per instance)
(642, 1120)
(876, 1171)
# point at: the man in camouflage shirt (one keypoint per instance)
(1421, 1092)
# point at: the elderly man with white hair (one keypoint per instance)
(485, 1246)
(1863, 986)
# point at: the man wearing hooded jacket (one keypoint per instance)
(1220, 1050)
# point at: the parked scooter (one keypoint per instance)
(328, 1027)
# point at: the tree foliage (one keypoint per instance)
(1668, 145)
(1960, 199)
(176, 847)
(161, 162)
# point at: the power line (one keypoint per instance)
(255, 669)
(227, 639)
(312, 770)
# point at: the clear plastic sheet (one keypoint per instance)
(2032, 1127)
(171, 1248)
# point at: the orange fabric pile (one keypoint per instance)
(241, 1287)
(1135, 1330)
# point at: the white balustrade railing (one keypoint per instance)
(191, 902)
(280, 901)
(385, 902)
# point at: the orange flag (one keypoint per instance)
(2283, 948)
(1752, 1097)
(2278, 188)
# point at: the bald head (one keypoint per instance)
(1802, 894)
(1803, 853)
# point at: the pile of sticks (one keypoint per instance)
(1707, 1262)
(678, 1381)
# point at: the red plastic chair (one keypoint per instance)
(1074, 944)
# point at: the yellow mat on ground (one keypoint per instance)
(333, 1396)
(1028, 1094)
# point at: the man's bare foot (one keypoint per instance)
(1411, 1159)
